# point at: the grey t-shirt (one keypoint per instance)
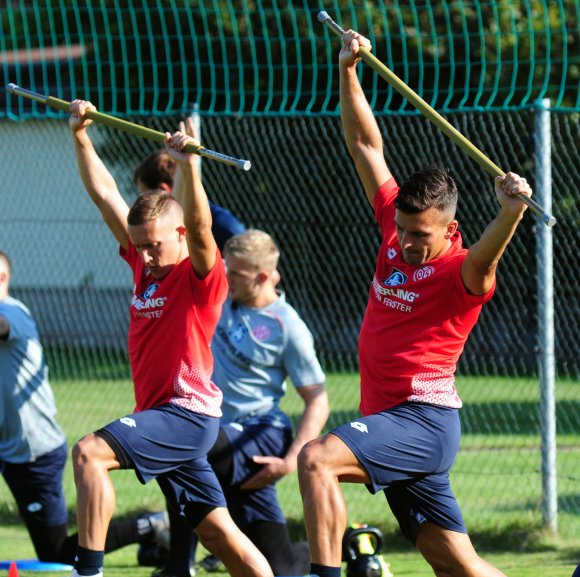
(27, 409)
(254, 351)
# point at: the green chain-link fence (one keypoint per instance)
(264, 77)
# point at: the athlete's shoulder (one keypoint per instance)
(11, 308)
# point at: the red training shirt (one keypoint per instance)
(416, 322)
(172, 321)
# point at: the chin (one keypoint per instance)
(160, 273)
(414, 260)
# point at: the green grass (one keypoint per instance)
(496, 477)
(551, 561)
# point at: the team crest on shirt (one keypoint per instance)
(391, 253)
(396, 278)
(423, 273)
(147, 304)
(261, 332)
(237, 332)
(150, 290)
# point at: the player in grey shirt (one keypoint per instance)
(33, 448)
(254, 350)
(259, 342)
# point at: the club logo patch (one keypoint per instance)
(261, 332)
(237, 332)
(396, 278)
(128, 421)
(150, 290)
(148, 301)
(359, 427)
(423, 273)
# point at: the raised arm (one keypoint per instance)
(480, 264)
(196, 213)
(188, 128)
(97, 180)
(361, 131)
(312, 421)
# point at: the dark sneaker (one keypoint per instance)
(151, 555)
(160, 525)
(212, 564)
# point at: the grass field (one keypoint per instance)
(496, 477)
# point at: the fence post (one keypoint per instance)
(546, 356)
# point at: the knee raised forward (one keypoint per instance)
(312, 459)
(90, 452)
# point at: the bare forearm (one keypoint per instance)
(361, 132)
(494, 240)
(359, 124)
(96, 179)
(478, 268)
(197, 214)
(310, 425)
(178, 185)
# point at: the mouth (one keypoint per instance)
(154, 270)
(412, 256)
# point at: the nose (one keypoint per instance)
(404, 241)
(146, 257)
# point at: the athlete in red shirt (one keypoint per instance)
(424, 300)
(417, 320)
(179, 288)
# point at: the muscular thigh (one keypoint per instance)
(331, 454)
(403, 444)
(157, 441)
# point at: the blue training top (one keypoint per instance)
(27, 409)
(254, 351)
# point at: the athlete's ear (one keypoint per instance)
(262, 277)
(451, 229)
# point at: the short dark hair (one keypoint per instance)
(7, 260)
(158, 168)
(149, 206)
(430, 187)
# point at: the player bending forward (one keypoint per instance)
(179, 286)
(425, 298)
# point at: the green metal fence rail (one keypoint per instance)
(274, 58)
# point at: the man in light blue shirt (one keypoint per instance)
(33, 448)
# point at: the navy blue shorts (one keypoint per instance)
(169, 443)
(248, 440)
(408, 452)
(37, 488)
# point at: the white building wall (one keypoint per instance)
(48, 225)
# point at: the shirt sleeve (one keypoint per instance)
(384, 196)
(300, 360)
(129, 255)
(16, 316)
(212, 289)
(461, 291)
